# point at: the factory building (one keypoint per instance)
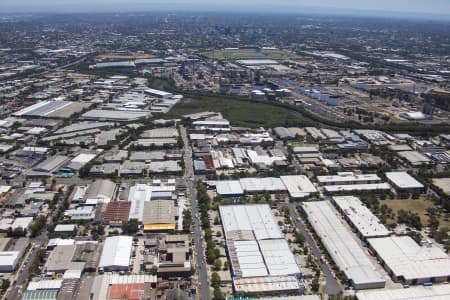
(360, 217)
(342, 246)
(404, 182)
(116, 254)
(409, 263)
(257, 250)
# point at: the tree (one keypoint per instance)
(215, 279)
(299, 238)
(218, 294)
(210, 256)
(130, 227)
(315, 284)
(217, 264)
(5, 285)
(187, 220)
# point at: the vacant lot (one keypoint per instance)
(239, 113)
(416, 206)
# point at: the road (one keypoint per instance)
(24, 269)
(204, 291)
(332, 286)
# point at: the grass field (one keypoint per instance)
(236, 54)
(418, 206)
(239, 113)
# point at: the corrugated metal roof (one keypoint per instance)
(116, 252)
(342, 245)
(406, 258)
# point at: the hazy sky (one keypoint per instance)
(416, 7)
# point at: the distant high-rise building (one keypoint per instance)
(428, 107)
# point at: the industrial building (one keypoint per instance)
(159, 215)
(342, 246)
(158, 93)
(348, 178)
(258, 253)
(60, 259)
(9, 260)
(79, 161)
(115, 286)
(101, 191)
(414, 158)
(212, 125)
(115, 115)
(257, 62)
(116, 253)
(402, 181)
(117, 212)
(298, 186)
(435, 292)
(349, 181)
(53, 109)
(360, 217)
(409, 263)
(51, 164)
(284, 133)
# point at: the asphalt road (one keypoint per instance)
(332, 286)
(22, 274)
(202, 272)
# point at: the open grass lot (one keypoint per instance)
(418, 206)
(236, 54)
(239, 113)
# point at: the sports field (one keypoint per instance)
(237, 54)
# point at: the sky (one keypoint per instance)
(424, 8)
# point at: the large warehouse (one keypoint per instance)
(9, 260)
(116, 253)
(436, 292)
(404, 182)
(342, 246)
(360, 217)
(298, 186)
(257, 250)
(53, 109)
(410, 263)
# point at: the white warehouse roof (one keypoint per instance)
(266, 184)
(436, 292)
(255, 241)
(348, 177)
(346, 252)
(278, 257)
(298, 186)
(8, 260)
(250, 259)
(403, 180)
(357, 187)
(256, 217)
(229, 187)
(406, 258)
(360, 216)
(116, 252)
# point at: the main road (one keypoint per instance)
(202, 272)
(332, 286)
